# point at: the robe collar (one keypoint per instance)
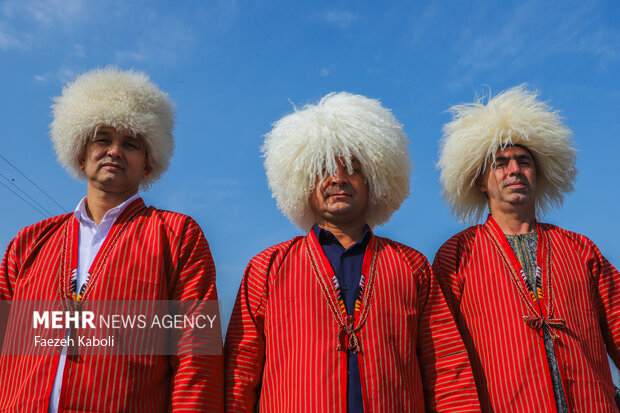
(69, 244)
(348, 337)
(541, 311)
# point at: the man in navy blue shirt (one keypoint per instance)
(339, 203)
(341, 320)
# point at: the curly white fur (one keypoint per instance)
(478, 131)
(125, 100)
(343, 125)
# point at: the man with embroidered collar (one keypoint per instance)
(537, 305)
(114, 129)
(341, 320)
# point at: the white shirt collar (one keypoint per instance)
(82, 216)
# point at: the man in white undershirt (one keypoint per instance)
(114, 129)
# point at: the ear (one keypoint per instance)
(147, 167)
(481, 184)
(81, 162)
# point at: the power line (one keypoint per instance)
(22, 198)
(35, 185)
(25, 194)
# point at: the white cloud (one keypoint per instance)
(159, 45)
(339, 18)
(27, 22)
(130, 56)
(533, 32)
(45, 12)
(422, 23)
(179, 37)
(66, 75)
(604, 43)
(79, 50)
(62, 76)
(113, 31)
(8, 8)
(7, 39)
(55, 11)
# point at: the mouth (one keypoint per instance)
(112, 166)
(516, 185)
(339, 195)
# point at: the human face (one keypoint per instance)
(114, 162)
(341, 199)
(511, 182)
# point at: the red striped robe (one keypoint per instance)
(281, 346)
(477, 272)
(149, 254)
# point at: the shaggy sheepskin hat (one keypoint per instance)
(305, 144)
(125, 100)
(478, 131)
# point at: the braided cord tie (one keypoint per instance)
(347, 337)
(552, 323)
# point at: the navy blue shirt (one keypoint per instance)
(347, 265)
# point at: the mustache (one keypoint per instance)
(517, 179)
(112, 162)
(337, 191)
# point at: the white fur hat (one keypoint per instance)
(478, 131)
(125, 100)
(303, 143)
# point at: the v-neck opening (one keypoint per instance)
(70, 247)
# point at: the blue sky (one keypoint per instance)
(233, 68)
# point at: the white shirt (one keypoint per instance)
(91, 240)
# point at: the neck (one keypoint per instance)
(99, 202)
(515, 222)
(347, 235)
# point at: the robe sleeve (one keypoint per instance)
(197, 380)
(8, 272)
(445, 270)
(20, 248)
(447, 376)
(607, 281)
(244, 349)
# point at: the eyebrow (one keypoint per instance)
(107, 133)
(516, 157)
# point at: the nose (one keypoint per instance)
(340, 176)
(513, 167)
(114, 150)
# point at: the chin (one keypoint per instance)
(342, 210)
(519, 201)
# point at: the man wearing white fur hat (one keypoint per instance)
(537, 305)
(341, 320)
(114, 129)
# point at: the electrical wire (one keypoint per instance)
(23, 199)
(25, 194)
(35, 185)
